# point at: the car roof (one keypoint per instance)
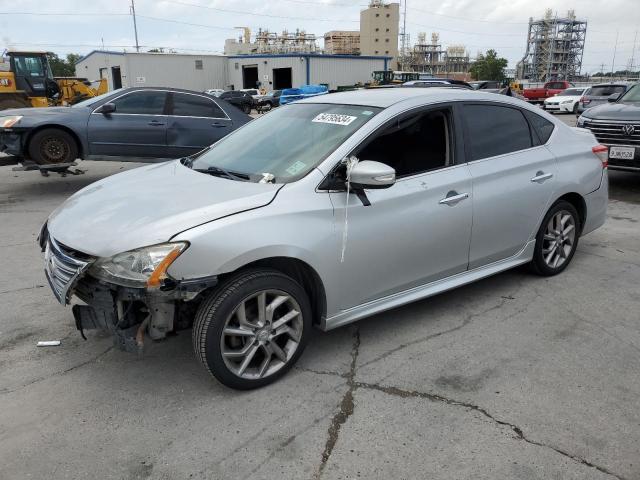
(169, 89)
(386, 97)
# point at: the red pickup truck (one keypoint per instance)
(536, 95)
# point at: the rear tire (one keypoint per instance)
(246, 108)
(52, 146)
(557, 239)
(251, 330)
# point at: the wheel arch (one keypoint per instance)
(579, 204)
(301, 272)
(54, 126)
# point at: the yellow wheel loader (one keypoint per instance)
(26, 81)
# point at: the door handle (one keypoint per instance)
(541, 177)
(217, 125)
(453, 198)
(155, 123)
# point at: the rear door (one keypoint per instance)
(194, 122)
(513, 177)
(138, 126)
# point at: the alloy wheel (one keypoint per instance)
(262, 334)
(559, 239)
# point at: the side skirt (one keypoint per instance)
(424, 291)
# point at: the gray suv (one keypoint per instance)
(600, 94)
(321, 213)
(616, 124)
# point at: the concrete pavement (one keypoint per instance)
(515, 376)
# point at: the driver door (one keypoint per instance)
(418, 230)
(138, 126)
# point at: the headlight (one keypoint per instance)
(144, 267)
(8, 122)
(567, 101)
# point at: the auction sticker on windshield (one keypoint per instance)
(334, 118)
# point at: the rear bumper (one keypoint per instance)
(596, 203)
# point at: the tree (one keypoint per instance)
(489, 67)
(63, 67)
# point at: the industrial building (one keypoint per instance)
(379, 24)
(202, 72)
(554, 48)
(130, 69)
(342, 42)
(271, 42)
(452, 61)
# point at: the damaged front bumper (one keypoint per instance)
(131, 314)
(11, 142)
(128, 313)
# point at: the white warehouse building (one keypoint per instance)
(202, 72)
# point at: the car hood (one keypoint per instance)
(149, 205)
(615, 111)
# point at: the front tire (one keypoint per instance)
(575, 109)
(52, 146)
(557, 239)
(251, 330)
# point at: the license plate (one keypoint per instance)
(622, 153)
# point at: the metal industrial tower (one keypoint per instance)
(554, 48)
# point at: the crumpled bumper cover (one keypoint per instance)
(11, 142)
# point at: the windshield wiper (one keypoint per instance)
(217, 171)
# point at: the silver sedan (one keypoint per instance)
(322, 213)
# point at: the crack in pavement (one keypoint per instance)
(467, 320)
(21, 289)
(398, 392)
(346, 407)
(6, 391)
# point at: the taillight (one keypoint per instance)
(585, 101)
(602, 152)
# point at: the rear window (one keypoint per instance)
(495, 130)
(606, 90)
(542, 128)
(572, 92)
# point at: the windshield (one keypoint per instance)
(571, 92)
(31, 66)
(286, 143)
(90, 101)
(633, 95)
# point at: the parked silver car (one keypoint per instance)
(321, 213)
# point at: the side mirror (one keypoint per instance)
(106, 108)
(370, 174)
(614, 97)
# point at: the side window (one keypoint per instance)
(412, 144)
(493, 130)
(141, 102)
(542, 127)
(195, 106)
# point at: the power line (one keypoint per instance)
(72, 14)
(184, 23)
(244, 12)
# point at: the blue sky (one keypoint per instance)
(203, 25)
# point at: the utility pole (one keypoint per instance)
(135, 27)
(403, 55)
(615, 49)
(633, 52)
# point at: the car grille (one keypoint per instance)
(62, 269)
(609, 132)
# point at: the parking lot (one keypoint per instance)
(515, 376)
